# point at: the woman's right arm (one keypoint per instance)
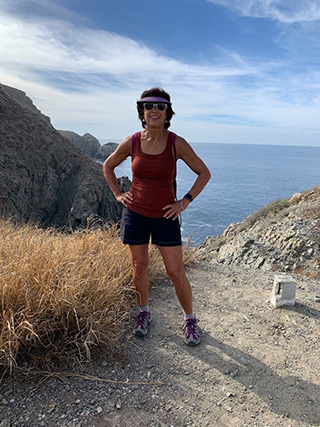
(114, 160)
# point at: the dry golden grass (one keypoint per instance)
(63, 296)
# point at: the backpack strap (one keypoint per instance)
(133, 142)
(173, 140)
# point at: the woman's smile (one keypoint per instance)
(155, 117)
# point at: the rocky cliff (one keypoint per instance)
(90, 145)
(22, 98)
(284, 235)
(43, 177)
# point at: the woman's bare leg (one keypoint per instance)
(140, 262)
(172, 257)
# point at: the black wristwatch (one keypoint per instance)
(189, 197)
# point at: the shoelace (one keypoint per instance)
(191, 326)
(142, 318)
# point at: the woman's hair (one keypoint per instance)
(156, 91)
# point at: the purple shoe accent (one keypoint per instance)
(142, 325)
(191, 332)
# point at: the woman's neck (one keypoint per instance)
(155, 133)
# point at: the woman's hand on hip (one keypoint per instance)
(174, 210)
(125, 198)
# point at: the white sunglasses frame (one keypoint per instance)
(155, 104)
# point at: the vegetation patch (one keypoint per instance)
(64, 296)
(269, 210)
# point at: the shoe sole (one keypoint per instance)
(191, 343)
(141, 334)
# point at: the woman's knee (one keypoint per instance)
(140, 266)
(176, 274)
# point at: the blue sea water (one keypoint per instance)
(244, 178)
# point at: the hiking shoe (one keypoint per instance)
(142, 326)
(191, 332)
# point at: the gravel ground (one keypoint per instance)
(256, 365)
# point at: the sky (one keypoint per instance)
(237, 71)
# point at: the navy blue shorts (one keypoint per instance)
(136, 229)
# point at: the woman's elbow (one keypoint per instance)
(206, 174)
(106, 169)
(106, 166)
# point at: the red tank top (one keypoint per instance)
(152, 179)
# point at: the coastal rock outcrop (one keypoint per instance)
(90, 145)
(284, 235)
(22, 98)
(43, 177)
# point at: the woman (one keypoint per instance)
(151, 208)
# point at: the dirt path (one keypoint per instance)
(256, 365)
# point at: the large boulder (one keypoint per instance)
(43, 177)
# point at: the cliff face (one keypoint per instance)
(284, 235)
(21, 97)
(90, 145)
(43, 177)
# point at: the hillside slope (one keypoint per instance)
(284, 235)
(44, 178)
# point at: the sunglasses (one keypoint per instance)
(150, 105)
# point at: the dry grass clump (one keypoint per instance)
(62, 295)
(269, 210)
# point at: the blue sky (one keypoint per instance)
(238, 71)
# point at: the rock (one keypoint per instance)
(295, 198)
(87, 143)
(106, 150)
(286, 239)
(44, 178)
(90, 145)
(21, 97)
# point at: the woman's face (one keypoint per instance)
(154, 117)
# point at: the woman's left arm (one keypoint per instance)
(186, 153)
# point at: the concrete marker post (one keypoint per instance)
(284, 291)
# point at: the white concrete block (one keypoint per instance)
(284, 291)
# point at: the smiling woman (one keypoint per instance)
(160, 100)
(151, 209)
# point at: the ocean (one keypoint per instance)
(244, 178)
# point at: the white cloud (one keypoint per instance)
(55, 46)
(297, 22)
(26, 8)
(88, 81)
(286, 11)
